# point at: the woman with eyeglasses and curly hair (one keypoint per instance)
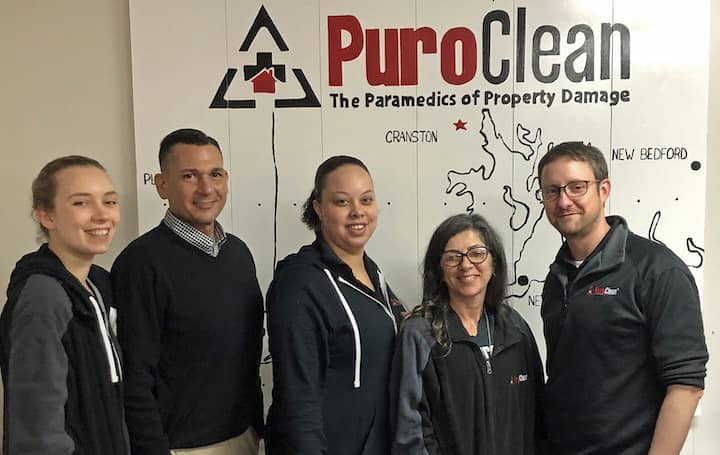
(466, 373)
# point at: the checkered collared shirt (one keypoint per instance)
(194, 237)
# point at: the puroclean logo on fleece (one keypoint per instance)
(267, 74)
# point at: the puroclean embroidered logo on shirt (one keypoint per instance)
(519, 378)
(603, 291)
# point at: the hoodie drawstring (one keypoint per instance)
(356, 331)
(112, 356)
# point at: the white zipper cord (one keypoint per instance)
(385, 308)
(356, 331)
(109, 351)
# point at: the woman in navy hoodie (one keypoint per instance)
(60, 364)
(332, 323)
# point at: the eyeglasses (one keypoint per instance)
(453, 258)
(574, 190)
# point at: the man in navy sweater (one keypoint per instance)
(626, 352)
(190, 316)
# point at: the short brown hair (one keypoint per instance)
(576, 151)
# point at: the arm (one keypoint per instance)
(678, 344)
(541, 444)
(139, 332)
(258, 418)
(298, 342)
(411, 424)
(673, 423)
(36, 391)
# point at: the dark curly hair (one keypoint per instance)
(436, 299)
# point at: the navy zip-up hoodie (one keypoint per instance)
(331, 340)
(60, 363)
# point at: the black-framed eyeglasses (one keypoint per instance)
(573, 190)
(453, 258)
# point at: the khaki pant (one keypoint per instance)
(245, 444)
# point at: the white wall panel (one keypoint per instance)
(424, 166)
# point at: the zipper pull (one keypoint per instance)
(486, 355)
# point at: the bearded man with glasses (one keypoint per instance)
(626, 352)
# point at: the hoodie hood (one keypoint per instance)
(45, 262)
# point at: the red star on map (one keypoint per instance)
(460, 125)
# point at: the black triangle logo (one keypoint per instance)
(264, 74)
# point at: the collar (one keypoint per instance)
(504, 331)
(195, 237)
(609, 253)
(333, 261)
(337, 266)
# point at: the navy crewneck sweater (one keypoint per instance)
(190, 326)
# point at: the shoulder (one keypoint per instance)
(43, 295)
(528, 343)
(144, 251)
(515, 320)
(640, 248)
(651, 257)
(236, 245)
(300, 285)
(298, 277)
(143, 246)
(304, 268)
(300, 296)
(514, 315)
(416, 329)
(235, 241)
(415, 323)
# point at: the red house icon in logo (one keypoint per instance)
(264, 81)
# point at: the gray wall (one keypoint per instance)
(66, 88)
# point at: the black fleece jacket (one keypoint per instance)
(620, 329)
(331, 340)
(60, 365)
(460, 402)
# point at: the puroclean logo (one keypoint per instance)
(599, 290)
(265, 73)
